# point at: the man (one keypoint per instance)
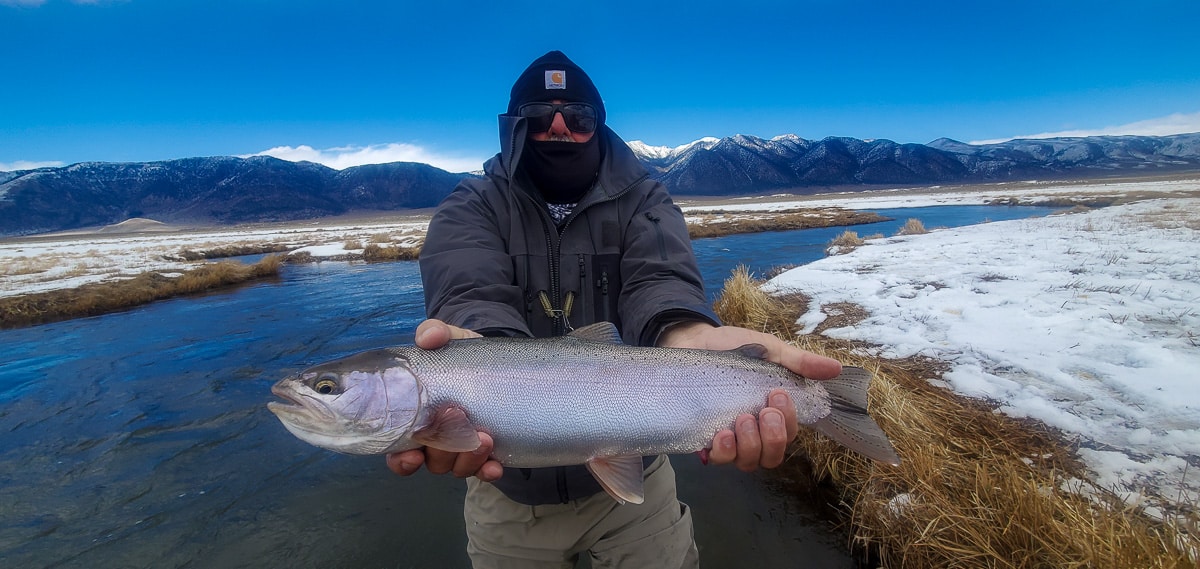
(567, 229)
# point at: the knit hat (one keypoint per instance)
(554, 76)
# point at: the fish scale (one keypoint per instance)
(564, 400)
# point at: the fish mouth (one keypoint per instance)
(297, 407)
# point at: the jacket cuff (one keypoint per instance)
(663, 320)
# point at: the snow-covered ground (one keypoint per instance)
(68, 260)
(1086, 321)
(1029, 192)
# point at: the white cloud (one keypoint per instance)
(346, 156)
(1178, 123)
(27, 164)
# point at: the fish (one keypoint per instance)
(583, 398)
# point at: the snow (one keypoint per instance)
(664, 152)
(1087, 322)
(1028, 192)
(67, 260)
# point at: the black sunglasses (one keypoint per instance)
(579, 117)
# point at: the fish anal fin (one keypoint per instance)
(752, 351)
(604, 332)
(620, 476)
(450, 431)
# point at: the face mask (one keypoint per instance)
(562, 171)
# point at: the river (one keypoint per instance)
(141, 438)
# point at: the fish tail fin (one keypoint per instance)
(848, 422)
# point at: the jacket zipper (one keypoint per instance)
(662, 242)
(603, 285)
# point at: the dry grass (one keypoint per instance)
(844, 243)
(977, 488)
(741, 222)
(374, 253)
(236, 250)
(27, 266)
(111, 296)
(912, 227)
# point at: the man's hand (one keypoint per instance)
(431, 335)
(754, 441)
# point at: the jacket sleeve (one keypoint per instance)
(662, 281)
(465, 269)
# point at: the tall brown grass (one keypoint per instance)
(375, 253)
(912, 226)
(235, 250)
(783, 221)
(111, 296)
(976, 488)
(844, 243)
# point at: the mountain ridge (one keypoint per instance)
(226, 189)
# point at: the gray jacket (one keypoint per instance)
(495, 262)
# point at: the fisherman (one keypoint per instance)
(565, 229)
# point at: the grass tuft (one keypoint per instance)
(912, 227)
(976, 488)
(844, 243)
(375, 253)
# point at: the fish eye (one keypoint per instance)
(325, 385)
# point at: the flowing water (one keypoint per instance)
(141, 438)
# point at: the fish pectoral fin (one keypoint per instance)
(603, 332)
(620, 476)
(450, 431)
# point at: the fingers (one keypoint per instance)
(779, 399)
(463, 464)
(749, 445)
(433, 334)
(758, 442)
(405, 463)
(705, 336)
(724, 448)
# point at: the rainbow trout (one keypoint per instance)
(583, 398)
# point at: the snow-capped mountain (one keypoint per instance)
(261, 188)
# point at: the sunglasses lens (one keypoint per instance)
(539, 115)
(579, 117)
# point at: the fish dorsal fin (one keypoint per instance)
(605, 332)
(752, 351)
(620, 476)
(450, 431)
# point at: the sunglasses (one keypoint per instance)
(579, 117)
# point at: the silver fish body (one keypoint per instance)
(584, 398)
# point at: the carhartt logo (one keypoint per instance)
(556, 79)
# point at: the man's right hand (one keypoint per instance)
(431, 335)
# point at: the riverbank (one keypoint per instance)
(1037, 377)
(976, 488)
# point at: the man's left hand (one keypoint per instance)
(754, 441)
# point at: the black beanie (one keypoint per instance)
(554, 76)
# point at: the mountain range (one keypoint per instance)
(260, 188)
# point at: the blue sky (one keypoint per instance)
(346, 82)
